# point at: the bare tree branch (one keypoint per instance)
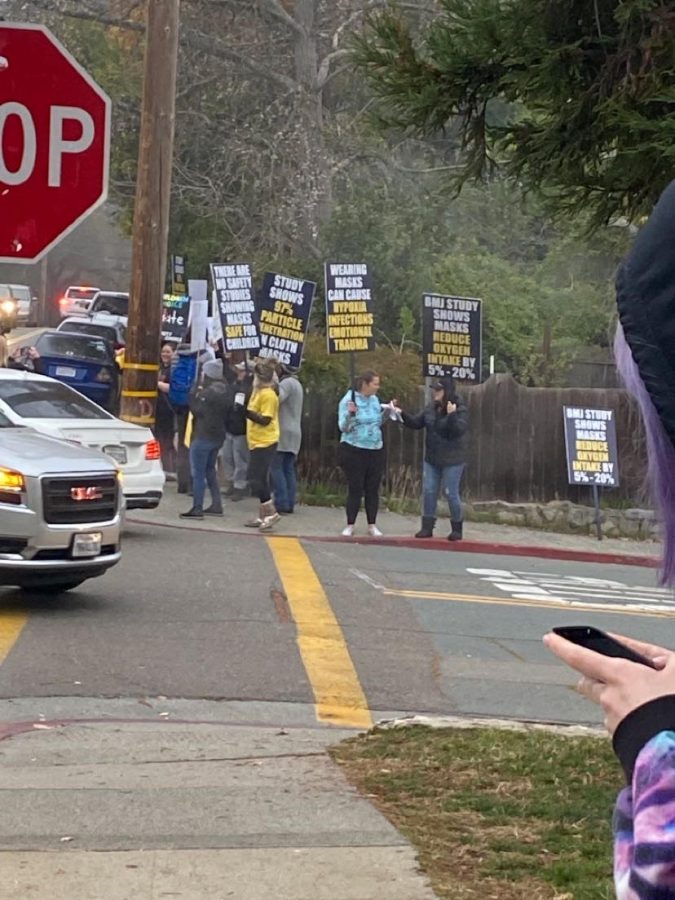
(278, 11)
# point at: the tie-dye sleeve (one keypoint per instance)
(644, 817)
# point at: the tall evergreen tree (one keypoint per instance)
(572, 98)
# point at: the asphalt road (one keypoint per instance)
(341, 633)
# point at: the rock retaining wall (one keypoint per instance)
(567, 517)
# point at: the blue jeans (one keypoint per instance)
(203, 457)
(448, 477)
(284, 480)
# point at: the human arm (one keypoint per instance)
(411, 421)
(639, 703)
(257, 417)
(347, 411)
(455, 420)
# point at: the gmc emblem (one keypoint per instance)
(86, 493)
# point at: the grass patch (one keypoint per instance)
(493, 813)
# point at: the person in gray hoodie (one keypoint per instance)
(284, 475)
(209, 404)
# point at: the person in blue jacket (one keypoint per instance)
(360, 418)
(639, 701)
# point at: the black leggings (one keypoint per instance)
(259, 464)
(363, 471)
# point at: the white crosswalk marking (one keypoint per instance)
(574, 589)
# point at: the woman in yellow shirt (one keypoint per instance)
(262, 437)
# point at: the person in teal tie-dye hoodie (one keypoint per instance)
(639, 701)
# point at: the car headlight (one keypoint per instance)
(12, 485)
(8, 306)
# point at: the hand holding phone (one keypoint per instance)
(617, 687)
(600, 642)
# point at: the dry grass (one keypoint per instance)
(495, 814)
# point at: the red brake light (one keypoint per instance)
(63, 301)
(152, 450)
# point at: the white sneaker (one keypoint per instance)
(348, 531)
(374, 531)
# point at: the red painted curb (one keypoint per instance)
(494, 549)
(487, 548)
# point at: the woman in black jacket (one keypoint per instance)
(445, 421)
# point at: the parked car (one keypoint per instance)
(60, 511)
(55, 409)
(9, 309)
(76, 300)
(82, 361)
(110, 303)
(107, 327)
(26, 303)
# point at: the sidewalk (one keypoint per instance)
(324, 523)
(142, 810)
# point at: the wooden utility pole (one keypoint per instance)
(151, 213)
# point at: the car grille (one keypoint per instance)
(61, 506)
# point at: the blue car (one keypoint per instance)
(82, 361)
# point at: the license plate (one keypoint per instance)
(85, 545)
(119, 454)
(66, 372)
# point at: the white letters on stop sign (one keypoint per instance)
(58, 145)
(25, 170)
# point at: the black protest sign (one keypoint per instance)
(452, 337)
(349, 307)
(175, 316)
(284, 306)
(178, 275)
(236, 306)
(590, 442)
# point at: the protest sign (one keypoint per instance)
(175, 316)
(236, 306)
(349, 307)
(590, 443)
(452, 337)
(199, 310)
(178, 275)
(284, 307)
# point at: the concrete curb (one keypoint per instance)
(488, 548)
(463, 722)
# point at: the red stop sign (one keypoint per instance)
(54, 142)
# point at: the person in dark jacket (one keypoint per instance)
(165, 417)
(209, 404)
(235, 455)
(445, 421)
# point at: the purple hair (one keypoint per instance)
(660, 452)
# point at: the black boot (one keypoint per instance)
(427, 529)
(457, 532)
(194, 513)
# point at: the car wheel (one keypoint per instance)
(53, 588)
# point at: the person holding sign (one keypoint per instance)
(637, 696)
(360, 419)
(262, 435)
(445, 421)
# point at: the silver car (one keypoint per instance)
(60, 511)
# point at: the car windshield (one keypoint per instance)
(20, 292)
(80, 293)
(74, 346)
(115, 304)
(48, 400)
(107, 332)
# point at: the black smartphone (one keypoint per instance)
(598, 641)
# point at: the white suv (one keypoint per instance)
(76, 300)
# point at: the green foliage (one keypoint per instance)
(574, 99)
